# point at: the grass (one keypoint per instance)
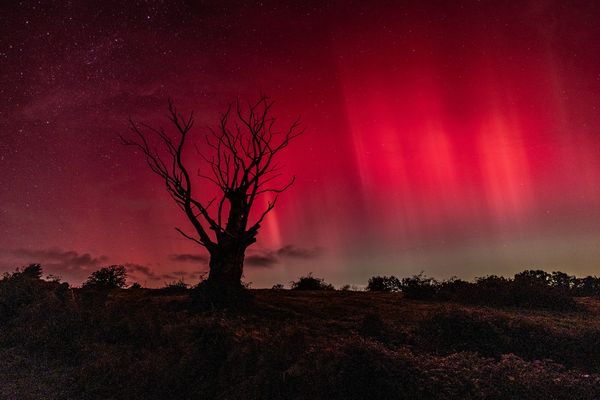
(293, 344)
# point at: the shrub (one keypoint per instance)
(309, 282)
(533, 278)
(588, 286)
(419, 287)
(32, 271)
(112, 277)
(178, 286)
(22, 288)
(278, 286)
(563, 281)
(384, 284)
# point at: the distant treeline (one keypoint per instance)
(527, 289)
(530, 289)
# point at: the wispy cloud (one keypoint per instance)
(189, 258)
(58, 258)
(137, 271)
(260, 260)
(269, 258)
(291, 251)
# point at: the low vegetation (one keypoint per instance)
(61, 342)
(533, 289)
(309, 282)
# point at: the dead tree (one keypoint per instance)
(240, 161)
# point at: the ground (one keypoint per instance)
(153, 344)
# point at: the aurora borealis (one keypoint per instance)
(459, 138)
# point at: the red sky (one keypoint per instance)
(459, 138)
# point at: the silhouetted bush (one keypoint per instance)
(588, 286)
(309, 282)
(135, 285)
(278, 286)
(175, 287)
(384, 284)
(112, 277)
(32, 271)
(533, 278)
(419, 287)
(24, 288)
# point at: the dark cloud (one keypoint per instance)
(148, 273)
(189, 258)
(260, 260)
(141, 269)
(292, 251)
(268, 258)
(64, 259)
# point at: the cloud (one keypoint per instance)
(148, 273)
(255, 258)
(292, 251)
(189, 258)
(139, 269)
(260, 260)
(268, 258)
(60, 259)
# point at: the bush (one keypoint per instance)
(175, 287)
(309, 282)
(588, 286)
(278, 286)
(32, 271)
(419, 287)
(24, 288)
(384, 284)
(112, 277)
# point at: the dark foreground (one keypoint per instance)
(149, 344)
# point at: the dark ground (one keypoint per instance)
(151, 344)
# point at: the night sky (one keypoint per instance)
(455, 137)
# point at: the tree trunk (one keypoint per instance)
(226, 266)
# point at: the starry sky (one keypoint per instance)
(461, 138)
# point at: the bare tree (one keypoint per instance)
(239, 157)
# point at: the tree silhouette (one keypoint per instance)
(240, 156)
(112, 277)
